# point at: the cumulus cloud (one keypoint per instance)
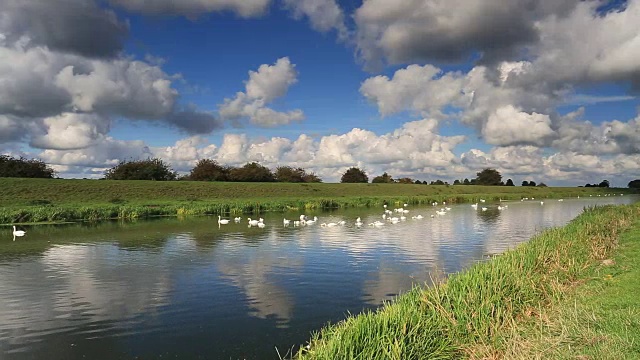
(324, 15)
(72, 26)
(265, 85)
(420, 88)
(419, 30)
(510, 126)
(243, 8)
(69, 131)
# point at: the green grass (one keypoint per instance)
(599, 320)
(48, 200)
(468, 315)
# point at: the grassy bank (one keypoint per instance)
(468, 315)
(599, 320)
(46, 200)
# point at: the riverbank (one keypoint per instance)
(57, 200)
(472, 313)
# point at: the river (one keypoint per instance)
(192, 289)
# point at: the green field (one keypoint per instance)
(478, 313)
(49, 200)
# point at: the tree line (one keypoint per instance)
(211, 170)
(208, 170)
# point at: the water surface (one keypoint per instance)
(189, 288)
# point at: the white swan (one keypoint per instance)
(238, 219)
(253, 222)
(484, 209)
(17, 232)
(541, 202)
(286, 222)
(223, 221)
(261, 225)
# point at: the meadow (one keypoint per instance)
(58, 200)
(477, 313)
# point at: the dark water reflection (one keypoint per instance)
(187, 288)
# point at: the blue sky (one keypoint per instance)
(429, 89)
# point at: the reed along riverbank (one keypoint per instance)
(58, 200)
(468, 315)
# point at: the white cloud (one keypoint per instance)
(420, 88)
(193, 8)
(265, 85)
(324, 15)
(70, 131)
(510, 126)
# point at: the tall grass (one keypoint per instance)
(468, 310)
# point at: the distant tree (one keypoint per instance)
(208, 170)
(532, 183)
(405, 180)
(24, 168)
(634, 184)
(604, 184)
(438, 182)
(588, 185)
(473, 182)
(251, 172)
(354, 175)
(418, 182)
(149, 169)
(501, 183)
(384, 178)
(466, 182)
(488, 177)
(456, 182)
(289, 174)
(311, 178)
(509, 182)
(525, 183)
(542, 185)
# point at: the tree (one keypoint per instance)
(634, 184)
(208, 170)
(405, 180)
(532, 183)
(489, 177)
(289, 174)
(456, 182)
(438, 182)
(466, 182)
(604, 183)
(149, 169)
(24, 168)
(384, 178)
(311, 178)
(354, 175)
(509, 183)
(542, 185)
(251, 172)
(525, 183)
(418, 182)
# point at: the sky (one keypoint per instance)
(541, 90)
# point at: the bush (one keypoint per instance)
(208, 170)
(634, 184)
(24, 168)
(296, 175)
(384, 178)
(354, 175)
(149, 169)
(251, 172)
